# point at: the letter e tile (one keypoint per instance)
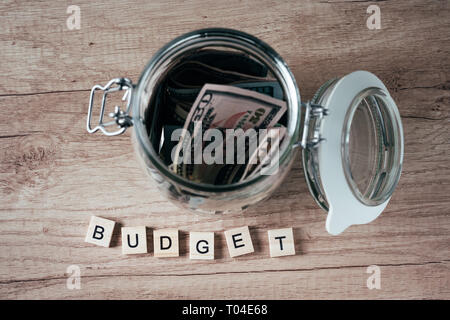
(239, 241)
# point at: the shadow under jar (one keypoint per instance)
(350, 134)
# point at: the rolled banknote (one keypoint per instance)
(224, 107)
(180, 100)
(186, 79)
(269, 87)
(267, 150)
(193, 74)
(231, 61)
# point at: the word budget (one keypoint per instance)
(201, 244)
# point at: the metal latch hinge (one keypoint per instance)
(314, 114)
(121, 117)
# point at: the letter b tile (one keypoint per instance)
(100, 231)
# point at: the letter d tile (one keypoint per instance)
(165, 243)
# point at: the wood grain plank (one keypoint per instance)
(396, 283)
(319, 40)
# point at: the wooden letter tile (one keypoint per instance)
(134, 240)
(165, 243)
(239, 241)
(281, 242)
(201, 245)
(100, 231)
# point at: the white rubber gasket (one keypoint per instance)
(344, 208)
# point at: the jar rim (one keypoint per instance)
(232, 38)
(388, 130)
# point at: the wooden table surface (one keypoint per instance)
(54, 175)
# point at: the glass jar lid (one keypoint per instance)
(355, 163)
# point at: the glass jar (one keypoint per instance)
(351, 136)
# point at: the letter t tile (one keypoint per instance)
(281, 242)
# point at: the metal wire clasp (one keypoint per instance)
(121, 117)
(311, 137)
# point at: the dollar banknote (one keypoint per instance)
(269, 87)
(262, 157)
(186, 80)
(176, 106)
(224, 107)
(181, 100)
